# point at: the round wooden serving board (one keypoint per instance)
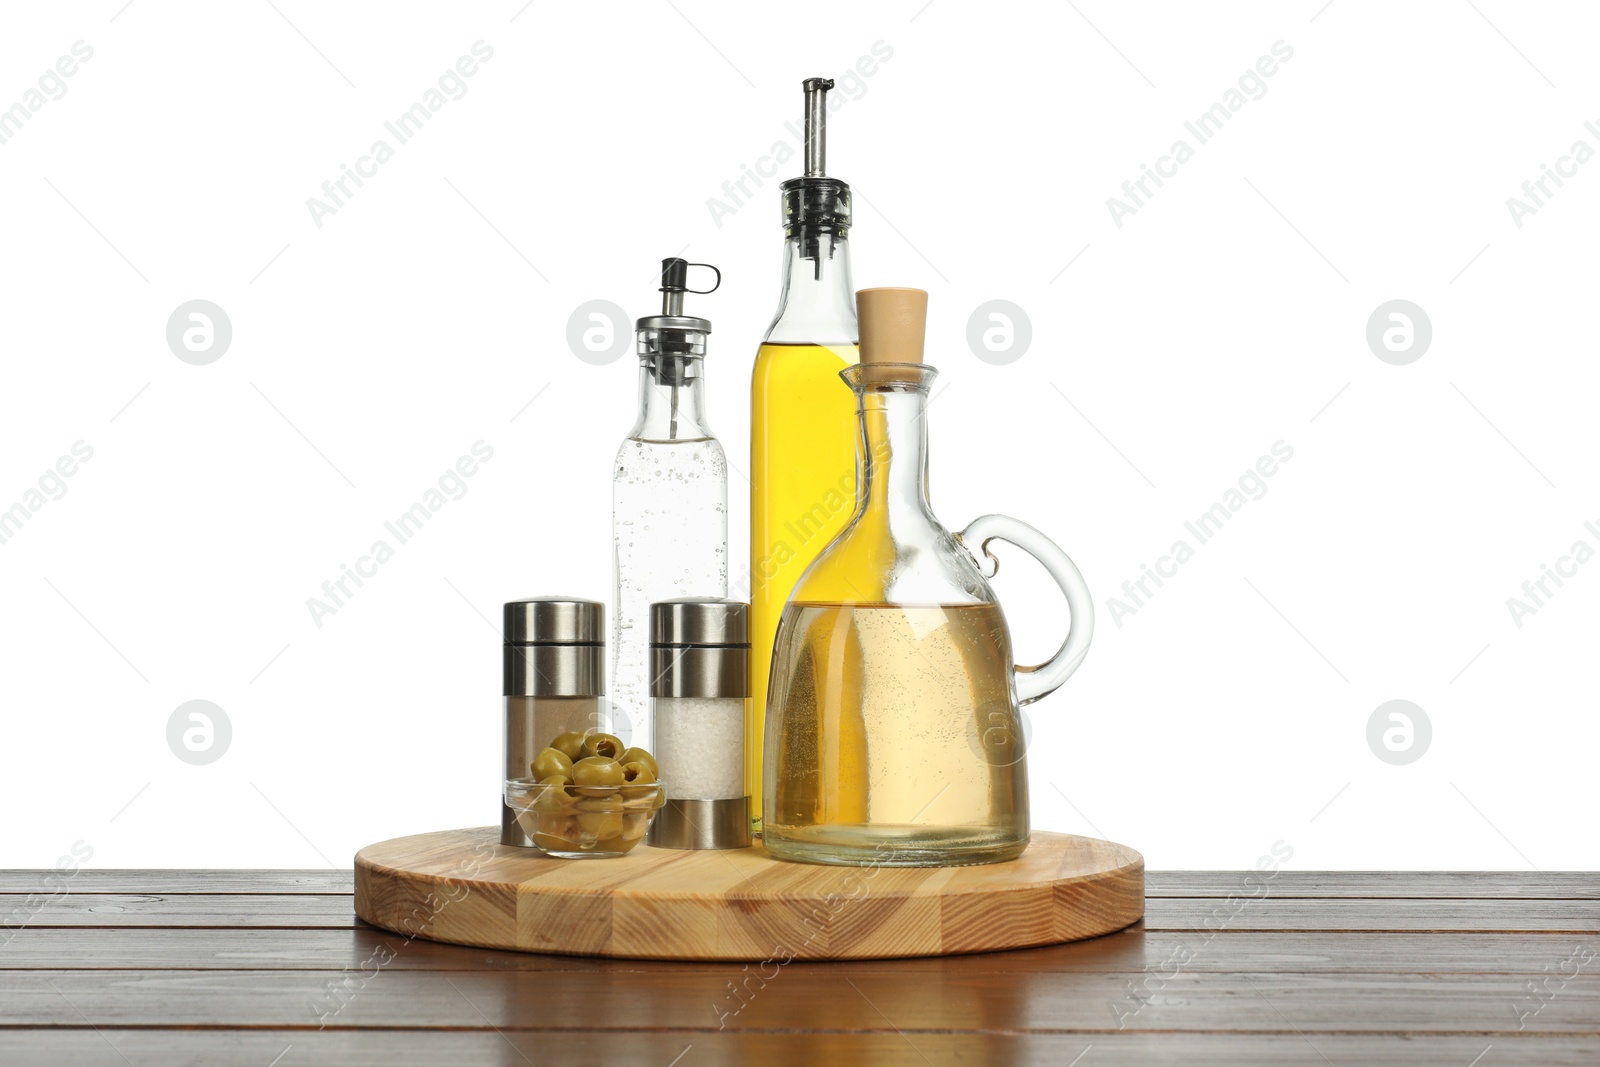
(464, 887)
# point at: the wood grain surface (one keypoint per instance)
(523, 1048)
(1366, 885)
(319, 948)
(137, 968)
(462, 887)
(268, 910)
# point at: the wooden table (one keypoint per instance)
(270, 969)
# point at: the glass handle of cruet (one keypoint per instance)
(1045, 678)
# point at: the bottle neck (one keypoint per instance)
(817, 305)
(893, 453)
(672, 404)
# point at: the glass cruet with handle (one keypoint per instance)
(893, 732)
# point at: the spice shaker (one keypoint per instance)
(554, 673)
(699, 685)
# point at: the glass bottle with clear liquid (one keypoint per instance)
(802, 424)
(669, 495)
(894, 734)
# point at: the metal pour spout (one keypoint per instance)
(672, 343)
(816, 123)
(816, 208)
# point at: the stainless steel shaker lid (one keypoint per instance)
(700, 621)
(554, 620)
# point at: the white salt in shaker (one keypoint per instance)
(699, 684)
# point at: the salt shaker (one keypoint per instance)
(699, 684)
(554, 673)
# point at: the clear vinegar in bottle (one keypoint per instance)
(669, 496)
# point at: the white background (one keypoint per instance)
(1227, 314)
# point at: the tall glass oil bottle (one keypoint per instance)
(802, 433)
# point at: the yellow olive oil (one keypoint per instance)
(896, 759)
(803, 491)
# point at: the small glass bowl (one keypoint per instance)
(583, 822)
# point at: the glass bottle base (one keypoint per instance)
(893, 846)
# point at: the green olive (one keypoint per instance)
(556, 832)
(639, 755)
(556, 794)
(551, 761)
(569, 744)
(601, 825)
(639, 775)
(596, 776)
(606, 803)
(608, 746)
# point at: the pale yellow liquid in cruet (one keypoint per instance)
(897, 738)
(900, 742)
(803, 492)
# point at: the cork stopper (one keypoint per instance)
(893, 324)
